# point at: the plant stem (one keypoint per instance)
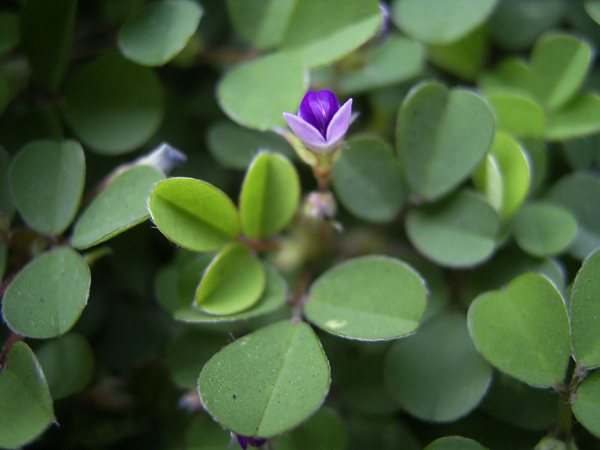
(12, 339)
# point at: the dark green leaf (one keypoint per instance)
(454, 443)
(586, 406)
(10, 36)
(323, 431)
(580, 117)
(7, 206)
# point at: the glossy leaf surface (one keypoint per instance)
(266, 382)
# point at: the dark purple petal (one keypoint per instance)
(317, 108)
(256, 442)
(243, 441)
(305, 112)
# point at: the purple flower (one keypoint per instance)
(321, 123)
(244, 441)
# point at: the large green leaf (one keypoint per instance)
(586, 405)
(120, 206)
(233, 282)
(266, 382)
(46, 35)
(440, 21)
(458, 231)
(25, 403)
(194, 214)
(257, 93)
(367, 180)
(46, 180)
(524, 330)
(47, 297)
(585, 313)
(114, 105)
(441, 135)
(269, 197)
(437, 374)
(320, 31)
(370, 298)
(159, 31)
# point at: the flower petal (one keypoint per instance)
(307, 133)
(306, 111)
(339, 123)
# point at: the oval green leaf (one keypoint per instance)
(437, 374)
(367, 180)
(585, 313)
(269, 196)
(524, 330)
(159, 31)
(194, 214)
(455, 443)
(441, 136)
(517, 115)
(370, 298)
(586, 406)
(46, 180)
(233, 282)
(120, 206)
(47, 297)
(268, 381)
(440, 22)
(114, 105)
(544, 229)
(256, 94)
(25, 403)
(581, 117)
(459, 231)
(68, 363)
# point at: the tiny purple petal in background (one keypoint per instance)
(244, 441)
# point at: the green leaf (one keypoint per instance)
(580, 117)
(459, 231)
(579, 192)
(585, 313)
(382, 68)
(47, 297)
(454, 443)
(367, 180)
(544, 229)
(114, 105)
(10, 36)
(323, 431)
(511, 74)
(517, 115)
(7, 206)
(256, 94)
(267, 382)
(194, 214)
(46, 180)
(370, 298)
(559, 64)
(586, 406)
(68, 363)
(441, 136)
(273, 297)
(440, 22)
(46, 34)
(233, 282)
(269, 197)
(524, 330)
(25, 403)
(235, 147)
(159, 31)
(120, 206)
(437, 374)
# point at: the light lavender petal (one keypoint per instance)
(308, 134)
(339, 123)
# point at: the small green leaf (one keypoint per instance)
(269, 197)
(454, 443)
(120, 206)
(367, 180)
(437, 374)
(511, 74)
(544, 229)
(268, 381)
(257, 93)
(441, 136)
(458, 231)
(68, 363)
(233, 282)
(47, 297)
(440, 22)
(586, 406)
(323, 431)
(585, 313)
(273, 297)
(580, 117)
(559, 64)
(524, 330)
(46, 34)
(194, 214)
(46, 180)
(370, 298)
(517, 115)
(114, 105)
(25, 403)
(159, 31)
(10, 36)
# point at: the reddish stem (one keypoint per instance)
(12, 339)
